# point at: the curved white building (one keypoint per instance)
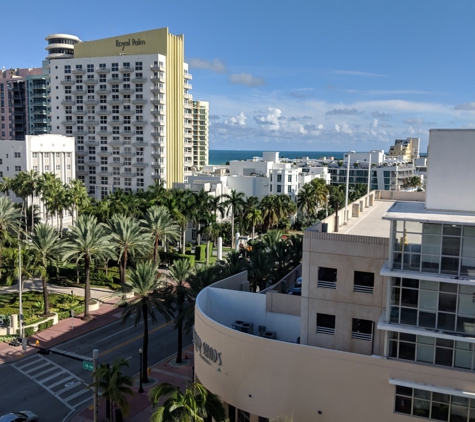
(61, 46)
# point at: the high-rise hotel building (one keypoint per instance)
(127, 101)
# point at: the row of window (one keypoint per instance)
(114, 66)
(433, 405)
(361, 329)
(363, 282)
(290, 188)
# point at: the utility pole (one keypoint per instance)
(20, 287)
(95, 361)
(347, 187)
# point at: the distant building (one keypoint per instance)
(405, 149)
(200, 134)
(44, 154)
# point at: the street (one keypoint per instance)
(55, 387)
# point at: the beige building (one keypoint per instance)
(405, 149)
(384, 329)
(127, 100)
(200, 134)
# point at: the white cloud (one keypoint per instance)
(465, 106)
(215, 65)
(245, 79)
(239, 120)
(374, 123)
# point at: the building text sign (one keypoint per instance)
(131, 41)
(206, 352)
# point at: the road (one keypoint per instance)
(54, 386)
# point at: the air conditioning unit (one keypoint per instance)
(243, 326)
(270, 334)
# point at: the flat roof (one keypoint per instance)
(416, 211)
(370, 221)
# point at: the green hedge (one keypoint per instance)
(45, 325)
(200, 253)
(169, 257)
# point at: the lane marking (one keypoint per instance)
(125, 343)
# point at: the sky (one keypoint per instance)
(302, 75)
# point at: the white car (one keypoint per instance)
(23, 416)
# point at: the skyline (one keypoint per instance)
(296, 77)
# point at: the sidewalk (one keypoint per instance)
(140, 405)
(64, 330)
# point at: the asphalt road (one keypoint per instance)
(54, 387)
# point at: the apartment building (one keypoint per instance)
(127, 101)
(43, 154)
(200, 133)
(23, 103)
(384, 327)
(405, 149)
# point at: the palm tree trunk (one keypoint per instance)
(124, 268)
(155, 251)
(183, 242)
(32, 214)
(45, 296)
(87, 288)
(179, 358)
(253, 231)
(232, 230)
(145, 346)
(198, 235)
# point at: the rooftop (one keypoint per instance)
(416, 211)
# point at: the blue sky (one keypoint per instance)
(302, 75)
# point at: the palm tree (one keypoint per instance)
(180, 294)
(114, 385)
(160, 224)
(196, 404)
(147, 289)
(254, 217)
(22, 189)
(234, 201)
(45, 247)
(270, 210)
(336, 199)
(6, 185)
(78, 198)
(180, 203)
(306, 200)
(87, 241)
(413, 182)
(10, 219)
(128, 238)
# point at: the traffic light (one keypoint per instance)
(43, 351)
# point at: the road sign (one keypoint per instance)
(87, 365)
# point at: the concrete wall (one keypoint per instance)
(450, 165)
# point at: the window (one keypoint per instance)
(362, 329)
(279, 178)
(433, 405)
(17, 155)
(67, 68)
(58, 167)
(363, 282)
(138, 65)
(90, 68)
(289, 189)
(326, 324)
(17, 168)
(289, 178)
(104, 180)
(115, 67)
(326, 277)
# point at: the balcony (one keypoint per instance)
(115, 122)
(139, 164)
(157, 144)
(91, 143)
(82, 172)
(127, 112)
(157, 123)
(188, 96)
(188, 125)
(115, 102)
(128, 91)
(156, 155)
(78, 71)
(157, 112)
(92, 163)
(156, 165)
(103, 91)
(159, 79)
(139, 101)
(188, 76)
(39, 120)
(103, 112)
(116, 164)
(104, 173)
(79, 133)
(91, 122)
(104, 132)
(157, 101)
(162, 133)
(68, 102)
(115, 81)
(104, 153)
(187, 86)
(157, 68)
(140, 144)
(67, 82)
(79, 92)
(90, 81)
(126, 69)
(127, 154)
(102, 70)
(68, 122)
(79, 112)
(127, 132)
(116, 143)
(140, 122)
(156, 176)
(91, 102)
(158, 90)
(139, 80)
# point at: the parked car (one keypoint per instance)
(296, 291)
(298, 282)
(23, 416)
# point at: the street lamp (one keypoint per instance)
(141, 364)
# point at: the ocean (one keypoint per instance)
(220, 156)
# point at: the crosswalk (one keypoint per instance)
(64, 385)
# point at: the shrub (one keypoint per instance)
(200, 253)
(100, 278)
(168, 258)
(29, 331)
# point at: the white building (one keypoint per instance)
(385, 327)
(42, 153)
(127, 101)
